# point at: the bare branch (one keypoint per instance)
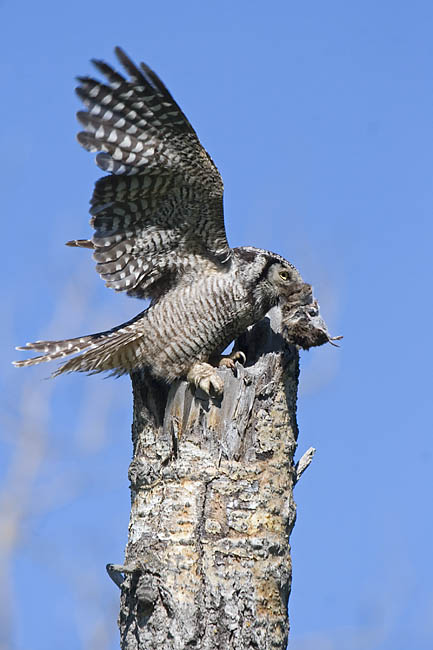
(304, 462)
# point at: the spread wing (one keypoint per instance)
(159, 213)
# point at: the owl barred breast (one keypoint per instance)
(159, 234)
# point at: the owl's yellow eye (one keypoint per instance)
(284, 275)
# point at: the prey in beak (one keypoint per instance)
(302, 322)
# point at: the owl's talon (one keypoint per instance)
(216, 386)
(240, 356)
(204, 376)
(226, 362)
(229, 360)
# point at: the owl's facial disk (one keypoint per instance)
(284, 278)
(302, 323)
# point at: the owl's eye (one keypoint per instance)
(284, 275)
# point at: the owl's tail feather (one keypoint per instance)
(51, 350)
(114, 350)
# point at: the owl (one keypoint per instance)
(159, 234)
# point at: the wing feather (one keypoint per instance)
(159, 213)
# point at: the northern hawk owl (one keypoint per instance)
(159, 234)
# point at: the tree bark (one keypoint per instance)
(208, 562)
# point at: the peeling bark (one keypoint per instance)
(208, 558)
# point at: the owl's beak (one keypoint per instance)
(302, 323)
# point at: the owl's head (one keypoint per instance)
(273, 280)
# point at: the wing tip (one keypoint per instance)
(121, 55)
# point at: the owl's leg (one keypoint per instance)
(204, 376)
(229, 360)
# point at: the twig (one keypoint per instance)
(303, 463)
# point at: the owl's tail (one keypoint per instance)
(114, 350)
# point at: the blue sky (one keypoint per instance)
(320, 119)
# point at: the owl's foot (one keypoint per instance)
(204, 376)
(229, 360)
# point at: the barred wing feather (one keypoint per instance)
(159, 213)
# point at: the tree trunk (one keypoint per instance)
(208, 558)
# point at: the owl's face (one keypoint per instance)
(285, 279)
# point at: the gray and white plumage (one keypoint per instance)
(159, 234)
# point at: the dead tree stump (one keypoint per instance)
(208, 558)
